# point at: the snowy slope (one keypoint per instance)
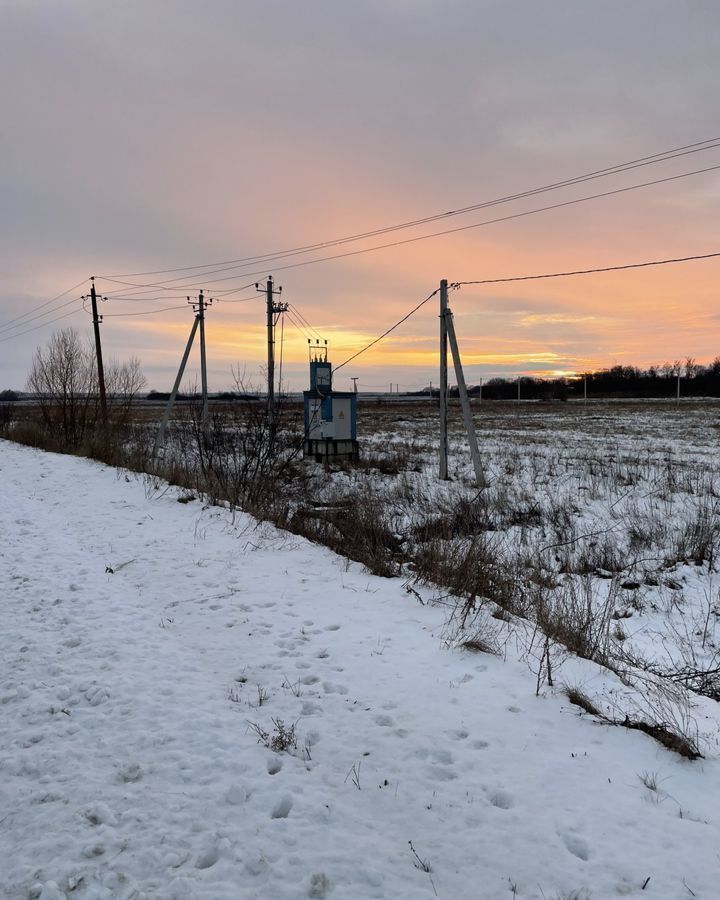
(129, 767)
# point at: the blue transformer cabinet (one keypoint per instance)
(330, 416)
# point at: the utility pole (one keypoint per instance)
(273, 310)
(465, 402)
(443, 380)
(585, 388)
(677, 399)
(199, 308)
(354, 379)
(98, 352)
(518, 387)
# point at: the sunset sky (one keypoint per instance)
(141, 136)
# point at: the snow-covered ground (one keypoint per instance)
(143, 638)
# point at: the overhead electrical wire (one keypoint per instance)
(9, 322)
(171, 285)
(303, 319)
(619, 168)
(12, 337)
(143, 299)
(40, 315)
(239, 299)
(296, 326)
(457, 284)
(303, 331)
(142, 312)
(389, 331)
(461, 228)
(642, 265)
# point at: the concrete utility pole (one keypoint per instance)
(354, 379)
(98, 352)
(443, 380)
(465, 402)
(585, 389)
(273, 310)
(199, 309)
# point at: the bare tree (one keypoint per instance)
(63, 379)
(692, 369)
(124, 381)
(64, 382)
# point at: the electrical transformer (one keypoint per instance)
(330, 416)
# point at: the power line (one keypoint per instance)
(43, 305)
(510, 217)
(142, 312)
(12, 337)
(144, 299)
(619, 168)
(238, 299)
(642, 265)
(296, 326)
(303, 319)
(457, 284)
(40, 315)
(302, 330)
(165, 285)
(386, 333)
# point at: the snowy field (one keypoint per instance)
(148, 645)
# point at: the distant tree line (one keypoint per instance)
(616, 382)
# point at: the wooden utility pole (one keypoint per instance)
(199, 308)
(201, 305)
(98, 352)
(273, 310)
(354, 379)
(443, 380)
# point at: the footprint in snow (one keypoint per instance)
(384, 721)
(501, 799)
(96, 695)
(282, 808)
(331, 688)
(440, 774)
(444, 757)
(208, 856)
(332, 628)
(577, 846)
